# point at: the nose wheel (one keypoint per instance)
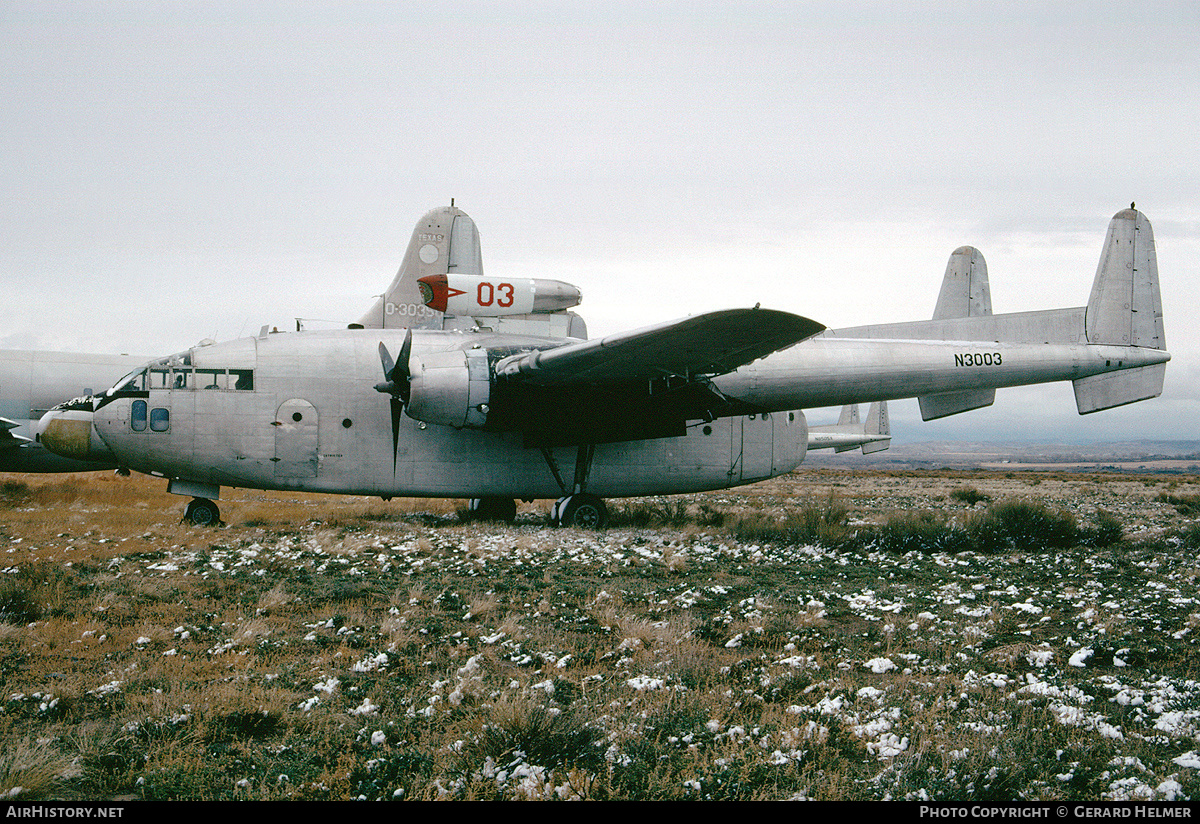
(202, 512)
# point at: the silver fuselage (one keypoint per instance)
(314, 421)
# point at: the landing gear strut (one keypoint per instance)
(577, 508)
(202, 512)
(493, 509)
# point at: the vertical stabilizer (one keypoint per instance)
(965, 290)
(965, 293)
(877, 425)
(444, 241)
(1125, 308)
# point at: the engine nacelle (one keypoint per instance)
(479, 296)
(450, 388)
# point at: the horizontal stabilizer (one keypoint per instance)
(1119, 388)
(8, 438)
(873, 434)
(875, 446)
(951, 403)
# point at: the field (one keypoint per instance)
(833, 634)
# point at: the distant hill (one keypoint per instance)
(1143, 456)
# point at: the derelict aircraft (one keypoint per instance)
(34, 381)
(871, 434)
(487, 388)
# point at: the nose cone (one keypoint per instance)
(70, 433)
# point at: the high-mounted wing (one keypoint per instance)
(702, 345)
(648, 383)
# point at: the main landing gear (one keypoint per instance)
(577, 508)
(581, 510)
(202, 512)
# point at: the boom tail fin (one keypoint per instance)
(965, 293)
(871, 434)
(877, 424)
(1125, 309)
(445, 240)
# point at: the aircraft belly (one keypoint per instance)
(454, 463)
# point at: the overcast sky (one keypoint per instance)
(178, 171)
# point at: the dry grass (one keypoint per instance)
(719, 646)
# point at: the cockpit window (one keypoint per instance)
(160, 376)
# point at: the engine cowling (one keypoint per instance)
(450, 388)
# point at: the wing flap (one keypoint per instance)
(701, 345)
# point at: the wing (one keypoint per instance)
(699, 346)
(648, 383)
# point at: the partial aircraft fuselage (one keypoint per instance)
(32, 383)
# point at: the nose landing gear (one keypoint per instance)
(202, 512)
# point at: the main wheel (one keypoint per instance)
(493, 509)
(202, 512)
(583, 511)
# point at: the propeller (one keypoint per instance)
(397, 384)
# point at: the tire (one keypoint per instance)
(202, 512)
(584, 512)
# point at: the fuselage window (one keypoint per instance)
(137, 416)
(160, 419)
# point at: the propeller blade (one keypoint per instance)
(397, 384)
(401, 376)
(397, 410)
(386, 358)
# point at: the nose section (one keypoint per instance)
(68, 431)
